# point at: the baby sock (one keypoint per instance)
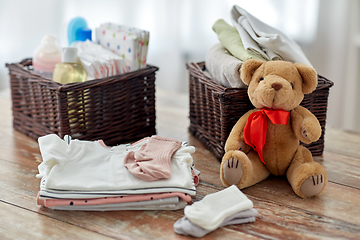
(211, 211)
(152, 161)
(185, 227)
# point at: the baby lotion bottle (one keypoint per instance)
(46, 56)
(69, 70)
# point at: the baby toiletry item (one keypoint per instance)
(128, 42)
(98, 61)
(46, 56)
(78, 30)
(69, 70)
(83, 34)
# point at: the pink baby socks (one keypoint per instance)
(152, 161)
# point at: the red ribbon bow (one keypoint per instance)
(256, 127)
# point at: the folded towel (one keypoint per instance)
(230, 39)
(223, 67)
(267, 38)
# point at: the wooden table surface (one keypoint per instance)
(282, 215)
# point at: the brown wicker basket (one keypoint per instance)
(115, 109)
(214, 109)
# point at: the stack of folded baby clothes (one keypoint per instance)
(248, 38)
(155, 173)
(226, 207)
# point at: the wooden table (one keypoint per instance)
(283, 215)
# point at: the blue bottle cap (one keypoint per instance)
(83, 34)
(74, 25)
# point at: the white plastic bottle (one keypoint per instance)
(69, 70)
(46, 56)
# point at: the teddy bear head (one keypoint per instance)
(277, 84)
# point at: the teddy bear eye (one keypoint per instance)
(261, 79)
(292, 85)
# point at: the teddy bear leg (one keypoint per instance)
(306, 177)
(242, 170)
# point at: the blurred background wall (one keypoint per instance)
(181, 31)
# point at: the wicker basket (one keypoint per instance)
(214, 109)
(115, 109)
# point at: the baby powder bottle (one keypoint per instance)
(69, 70)
(46, 56)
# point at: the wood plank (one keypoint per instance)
(284, 221)
(18, 223)
(342, 142)
(341, 169)
(208, 165)
(18, 148)
(19, 186)
(337, 201)
(331, 203)
(172, 115)
(335, 214)
(272, 195)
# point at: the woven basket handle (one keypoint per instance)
(26, 62)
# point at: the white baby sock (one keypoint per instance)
(185, 227)
(211, 211)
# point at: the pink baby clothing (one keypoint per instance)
(195, 175)
(152, 161)
(172, 203)
(109, 200)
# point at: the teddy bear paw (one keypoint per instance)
(313, 185)
(232, 170)
(304, 133)
(310, 131)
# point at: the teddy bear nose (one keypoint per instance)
(276, 86)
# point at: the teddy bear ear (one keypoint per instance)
(248, 68)
(309, 76)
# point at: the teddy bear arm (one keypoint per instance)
(305, 125)
(235, 140)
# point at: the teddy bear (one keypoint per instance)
(266, 140)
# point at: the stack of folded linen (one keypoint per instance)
(90, 176)
(226, 207)
(248, 38)
(128, 42)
